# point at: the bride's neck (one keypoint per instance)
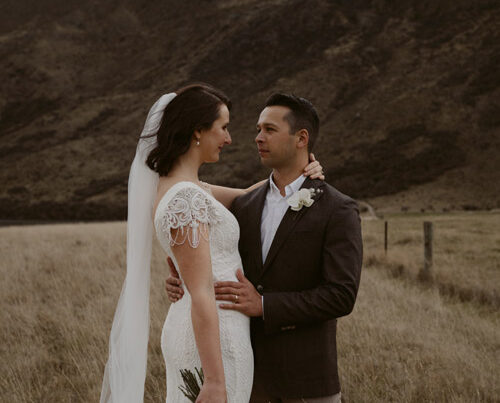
(186, 168)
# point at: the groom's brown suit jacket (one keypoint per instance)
(309, 279)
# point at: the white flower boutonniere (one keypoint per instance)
(304, 197)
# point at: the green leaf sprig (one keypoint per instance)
(191, 388)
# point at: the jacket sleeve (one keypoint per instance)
(342, 252)
(235, 206)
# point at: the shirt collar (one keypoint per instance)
(290, 189)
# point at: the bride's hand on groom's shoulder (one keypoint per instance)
(173, 283)
(314, 168)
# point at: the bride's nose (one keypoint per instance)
(228, 138)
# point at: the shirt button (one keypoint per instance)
(260, 289)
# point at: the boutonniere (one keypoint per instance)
(304, 197)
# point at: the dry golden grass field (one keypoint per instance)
(405, 341)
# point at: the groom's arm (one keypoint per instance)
(341, 270)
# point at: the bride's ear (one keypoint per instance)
(197, 137)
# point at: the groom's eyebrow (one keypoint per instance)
(266, 124)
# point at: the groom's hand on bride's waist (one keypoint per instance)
(173, 283)
(242, 294)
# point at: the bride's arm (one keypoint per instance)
(196, 270)
(226, 195)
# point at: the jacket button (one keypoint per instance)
(260, 289)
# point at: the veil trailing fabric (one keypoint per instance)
(125, 370)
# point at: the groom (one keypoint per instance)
(302, 257)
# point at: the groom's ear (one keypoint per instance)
(302, 138)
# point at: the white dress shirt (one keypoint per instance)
(274, 210)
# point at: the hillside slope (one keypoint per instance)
(408, 95)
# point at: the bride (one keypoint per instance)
(183, 130)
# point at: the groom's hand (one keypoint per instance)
(173, 283)
(242, 294)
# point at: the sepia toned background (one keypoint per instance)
(408, 94)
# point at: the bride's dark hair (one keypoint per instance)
(196, 107)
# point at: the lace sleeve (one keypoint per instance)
(191, 213)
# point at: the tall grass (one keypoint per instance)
(404, 342)
(466, 252)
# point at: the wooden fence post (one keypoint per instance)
(385, 236)
(428, 238)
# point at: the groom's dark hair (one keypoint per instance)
(302, 115)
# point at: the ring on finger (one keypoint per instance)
(236, 298)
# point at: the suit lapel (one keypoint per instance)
(255, 218)
(289, 221)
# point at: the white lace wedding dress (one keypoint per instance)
(189, 207)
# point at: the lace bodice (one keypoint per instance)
(193, 213)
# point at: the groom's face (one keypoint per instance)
(276, 145)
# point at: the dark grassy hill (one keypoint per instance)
(408, 94)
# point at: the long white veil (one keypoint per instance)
(125, 370)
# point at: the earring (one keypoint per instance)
(197, 142)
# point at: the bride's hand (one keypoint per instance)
(212, 392)
(314, 169)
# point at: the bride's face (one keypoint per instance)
(213, 140)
